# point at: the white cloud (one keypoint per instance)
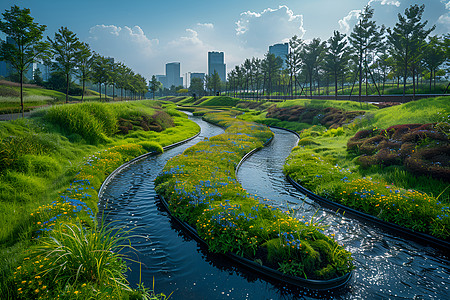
(352, 17)
(349, 20)
(206, 25)
(259, 30)
(129, 45)
(187, 41)
(385, 2)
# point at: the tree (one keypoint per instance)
(100, 72)
(65, 48)
(271, 66)
(26, 45)
(311, 55)
(433, 56)
(154, 85)
(365, 38)
(197, 86)
(336, 57)
(37, 77)
(213, 82)
(407, 38)
(293, 61)
(84, 60)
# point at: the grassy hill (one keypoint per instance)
(34, 97)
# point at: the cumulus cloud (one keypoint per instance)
(129, 45)
(349, 20)
(259, 30)
(443, 23)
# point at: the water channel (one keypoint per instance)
(388, 267)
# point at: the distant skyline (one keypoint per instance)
(145, 35)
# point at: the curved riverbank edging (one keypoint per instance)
(113, 173)
(251, 153)
(263, 270)
(416, 236)
(420, 237)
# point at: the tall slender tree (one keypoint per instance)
(433, 57)
(271, 67)
(65, 47)
(311, 55)
(26, 45)
(365, 38)
(293, 62)
(336, 57)
(84, 65)
(155, 85)
(407, 38)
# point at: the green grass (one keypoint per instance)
(318, 103)
(322, 164)
(45, 168)
(222, 101)
(231, 220)
(420, 111)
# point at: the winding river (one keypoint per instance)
(388, 267)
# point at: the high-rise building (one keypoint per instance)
(173, 75)
(190, 76)
(216, 63)
(280, 50)
(162, 79)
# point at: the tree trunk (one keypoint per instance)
(335, 85)
(82, 94)
(100, 91)
(414, 82)
(431, 78)
(21, 92)
(67, 88)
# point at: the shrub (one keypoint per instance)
(151, 146)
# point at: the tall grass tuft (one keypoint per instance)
(74, 120)
(75, 261)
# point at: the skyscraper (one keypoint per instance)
(173, 74)
(216, 63)
(280, 50)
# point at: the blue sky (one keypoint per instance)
(146, 34)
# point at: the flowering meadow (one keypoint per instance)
(201, 188)
(406, 207)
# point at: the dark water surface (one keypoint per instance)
(387, 266)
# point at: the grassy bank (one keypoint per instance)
(391, 162)
(231, 220)
(52, 165)
(377, 182)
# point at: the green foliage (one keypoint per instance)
(151, 146)
(421, 111)
(74, 262)
(219, 101)
(318, 103)
(225, 216)
(92, 121)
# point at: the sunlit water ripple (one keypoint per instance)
(387, 266)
